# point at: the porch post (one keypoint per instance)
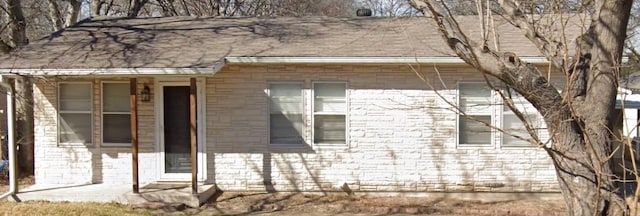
(194, 133)
(133, 89)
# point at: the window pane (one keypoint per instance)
(329, 129)
(514, 126)
(330, 97)
(116, 128)
(75, 128)
(473, 132)
(286, 104)
(115, 97)
(521, 104)
(286, 129)
(286, 113)
(475, 98)
(75, 96)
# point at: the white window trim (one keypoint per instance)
(58, 133)
(102, 113)
(346, 116)
(304, 114)
(492, 144)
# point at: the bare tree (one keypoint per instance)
(251, 8)
(390, 8)
(26, 19)
(579, 119)
(56, 11)
(135, 6)
(195, 8)
(17, 37)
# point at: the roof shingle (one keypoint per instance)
(200, 42)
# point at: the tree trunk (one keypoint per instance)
(134, 7)
(55, 15)
(74, 11)
(18, 24)
(578, 122)
(587, 184)
(96, 7)
(24, 91)
(24, 124)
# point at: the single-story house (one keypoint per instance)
(276, 104)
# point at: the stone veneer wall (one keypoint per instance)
(402, 137)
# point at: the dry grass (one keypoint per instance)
(66, 208)
(295, 204)
(23, 182)
(60, 208)
(292, 204)
(305, 204)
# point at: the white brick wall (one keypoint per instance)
(402, 138)
(56, 164)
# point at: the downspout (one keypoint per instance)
(13, 186)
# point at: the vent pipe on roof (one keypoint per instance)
(363, 12)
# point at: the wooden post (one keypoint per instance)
(194, 136)
(133, 102)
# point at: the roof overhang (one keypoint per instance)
(208, 71)
(195, 71)
(363, 60)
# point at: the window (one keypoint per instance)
(475, 101)
(285, 113)
(514, 126)
(116, 114)
(75, 110)
(329, 112)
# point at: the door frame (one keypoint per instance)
(159, 83)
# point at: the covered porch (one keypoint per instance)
(106, 193)
(184, 183)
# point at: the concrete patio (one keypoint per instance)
(104, 193)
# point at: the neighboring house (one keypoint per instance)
(283, 104)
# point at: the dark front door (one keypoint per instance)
(176, 129)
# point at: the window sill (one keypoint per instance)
(115, 145)
(290, 148)
(76, 145)
(475, 146)
(297, 145)
(331, 146)
(519, 147)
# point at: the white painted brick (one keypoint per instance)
(402, 137)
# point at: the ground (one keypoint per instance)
(293, 204)
(336, 204)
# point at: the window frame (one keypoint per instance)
(60, 112)
(303, 109)
(519, 102)
(492, 114)
(312, 114)
(102, 114)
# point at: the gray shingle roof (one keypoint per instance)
(187, 42)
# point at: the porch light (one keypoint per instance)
(145, 94)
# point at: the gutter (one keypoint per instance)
(13, 186)
(212, 70)
(365, 60)
(124, 72)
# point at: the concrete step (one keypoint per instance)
(172, 193)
